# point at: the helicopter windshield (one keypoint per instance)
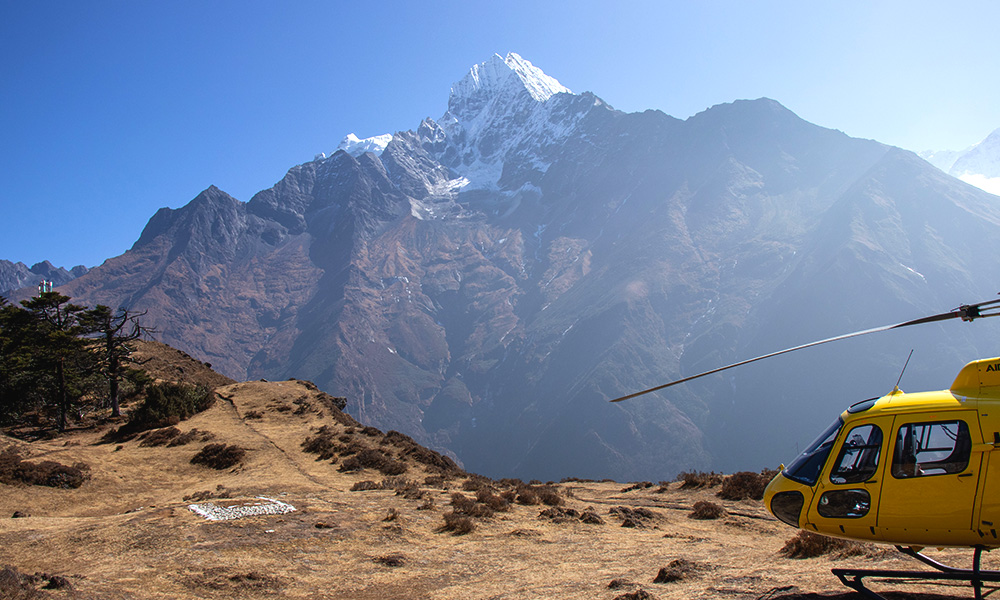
(807, 467)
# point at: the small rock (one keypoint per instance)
(19, 515)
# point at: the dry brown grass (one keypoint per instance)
(127, 532)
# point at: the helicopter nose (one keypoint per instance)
(785, 498)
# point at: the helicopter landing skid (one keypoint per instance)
(853, 578)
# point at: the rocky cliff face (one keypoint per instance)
(15, 276)
(488, 281)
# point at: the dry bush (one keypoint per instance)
(392, 515)
(391, 560)
(495, 502)
(634, 517)
(15, 585)
(639, 594)
(677, 570)
(194, 435)
(693, 480)
(559, 515)
(219, 456)
(321, 444)
(458, 524)
(165, 405)
(527, 496)
(464, 505)
(371, 431)
(477, 482)
(370, 458)
(746, 485)
(47, 473)
(363, 486)
(159, 437)
(408, 448)
(253, 414)
(706, 511)
(806, 544)
(435, 481)
(642, 485)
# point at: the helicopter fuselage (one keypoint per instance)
(919, 469)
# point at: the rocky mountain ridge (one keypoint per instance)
(489, 280)
(17, 275)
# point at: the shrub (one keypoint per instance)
(476, 482)
(704, 511)
(219, 456)
(699, 479)
(745, 485)
(642, 485)
(436, 481)
(496, 503)
(160, 437)
(364, 486)
(190, 436)
(391, 560)
(166, 401)
(806, 544)
(46, 473)
(675, 571)
(371, 458)
(458, 524)
(321, 444)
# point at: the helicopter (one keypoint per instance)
(913, 470)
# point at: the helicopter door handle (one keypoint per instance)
(965, 475)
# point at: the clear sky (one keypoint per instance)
(110, 110)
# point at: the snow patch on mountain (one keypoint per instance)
(356, 147)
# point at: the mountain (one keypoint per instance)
(978, 165)
(14, 276)
(487, 282)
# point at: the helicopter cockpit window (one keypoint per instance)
(924, 449)
(858, 459)
(807, 467)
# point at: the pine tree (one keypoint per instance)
(56, 345)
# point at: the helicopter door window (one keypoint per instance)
(858, 459)
(924, 449)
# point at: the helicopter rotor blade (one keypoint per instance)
(966, 312)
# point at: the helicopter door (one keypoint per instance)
(847, 498)
(930, 491)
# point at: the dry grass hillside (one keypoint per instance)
(375, 517)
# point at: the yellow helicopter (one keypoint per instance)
(912, 470)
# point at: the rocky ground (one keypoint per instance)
(370, 522)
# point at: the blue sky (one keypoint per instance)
(111, 110)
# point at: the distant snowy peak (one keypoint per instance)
(500, 78)
(356, 147)
(978, 165)
(983, 158)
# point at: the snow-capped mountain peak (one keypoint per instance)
(356, 147)
(503, 113)
(500, 78)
